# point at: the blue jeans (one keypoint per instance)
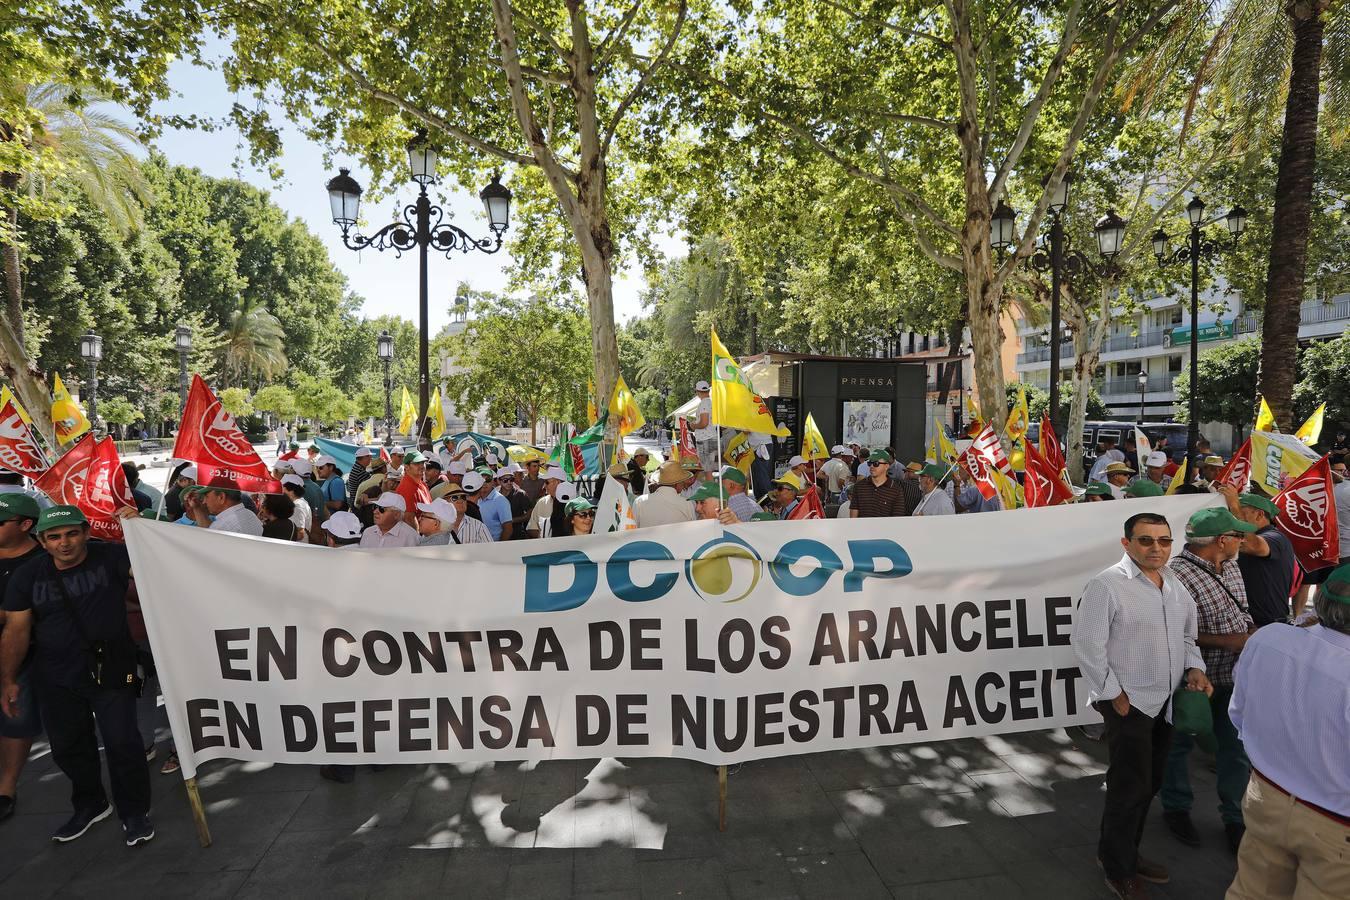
(1232, 767)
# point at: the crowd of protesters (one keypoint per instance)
(1155, 634)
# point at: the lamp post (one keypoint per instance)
(1197, 246)
(1143, 386)
(91, 348)
(422, 226)
(1062, 261)
(182, 342)
(385, 345)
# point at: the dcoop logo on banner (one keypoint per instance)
(695, 641)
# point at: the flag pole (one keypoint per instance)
(721, 798)
(198, 812)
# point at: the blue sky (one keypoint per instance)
(388, 284)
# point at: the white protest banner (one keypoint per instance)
(692, 640)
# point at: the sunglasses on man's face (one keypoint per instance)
(1145, 540)
(587, 514)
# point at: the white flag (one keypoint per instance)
(1142, 448)
(614, 510)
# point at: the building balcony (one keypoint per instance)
(1317, 311)
(1128, 386)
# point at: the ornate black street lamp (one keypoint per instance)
(91, 349)
(385, 346)
(422, 226)
(1143, 386)
(1062, 260)
(1192, 251)
(182, 342)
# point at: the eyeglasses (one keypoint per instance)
(585, 514)
(1147, 541)
(458, 498)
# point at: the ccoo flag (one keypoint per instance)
(67, 418)
(734, 402)
(813, 442)
(208, 438)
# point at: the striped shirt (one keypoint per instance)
(871, 501)
(1291, 707)
(354, 479)
(1132, 636)
(743, 506)
(1221, 607)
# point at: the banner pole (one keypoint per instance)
(198, 813)
(721, 798)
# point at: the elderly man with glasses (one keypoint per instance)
(1135, 638)
(1208, 568)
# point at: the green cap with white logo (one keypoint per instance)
(59, 517)
(17, 506)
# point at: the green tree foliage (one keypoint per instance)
(1325, 366)
(522, 358)
(119, 411)
(1038, 401)
(276, 399)
(1228, 374)
(317, 398)
(235, 401)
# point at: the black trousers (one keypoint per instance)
(70, 715)
(1138, 746)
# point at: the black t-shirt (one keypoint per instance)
(97, 589)
(12, 564)
(1268, 578)
(520, 506)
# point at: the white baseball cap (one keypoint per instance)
(503, 472)
(566, 491)
(473, 482)
(365, 451)
(795, 462)
(491, 458)
(838, 448)
(300, 466)
(390, 500)
(1156, 459)
(440, 508)
(455, 467)
(514, 468)
(189, 472)
(556, 473)
(324, 459)
(702, 386)
(343, 525)
(292, 478)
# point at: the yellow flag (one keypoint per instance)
(739, 453)
(972, 414)
(368, 433)
(1311, 430)
(1019, 420)
(813, 442)
(940, 448)
(1009, 491)
(592, 414)
(623, 407)
(1265, 419)
(436, 413)
(734, 402)
(7, 396)
(407, 413)
(1279, 458)
(1178, 479)
(67, 418)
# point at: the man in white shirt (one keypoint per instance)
(836, 471)
(389, 529)
(664, 504)
(1106, 454)
(705, 433)
(1341, 493)
(935, 501)
(1135, 637)
(219, 509)
(543, 508)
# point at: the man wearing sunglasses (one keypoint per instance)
(1134, 634)
(1208, 569)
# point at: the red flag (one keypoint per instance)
(984, 454)
(1042, 484)
(1238, 472)
(809, 507)
(19, 450)
(89, 475)
(208, 437)
(1051, 448)
(687, 446)
(979, 468)
(1307, 516)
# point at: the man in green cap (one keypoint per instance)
(935, 500)
(412, 486)
(1144, 487)
(709, 503)
(18, 514)
(739, 501)
(1098, 491)
(1266, 557)
(1207, 567)
(67, 602)
(1291, 707)
(877, 495)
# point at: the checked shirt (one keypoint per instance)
(1217, 612)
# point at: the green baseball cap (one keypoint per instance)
(18, 506)
(59, 517)
(414, 457)
(1144, 487)
(763, 517)
(934, 471)
(1098, 489)
(879, 456)
(580, 504)
(1337, 586)
(731, 473)
(709, 490)
(1215, 521)
(1256, 501)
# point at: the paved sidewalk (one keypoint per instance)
(991, 819)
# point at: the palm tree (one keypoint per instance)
(60, 136)
(254, 346)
